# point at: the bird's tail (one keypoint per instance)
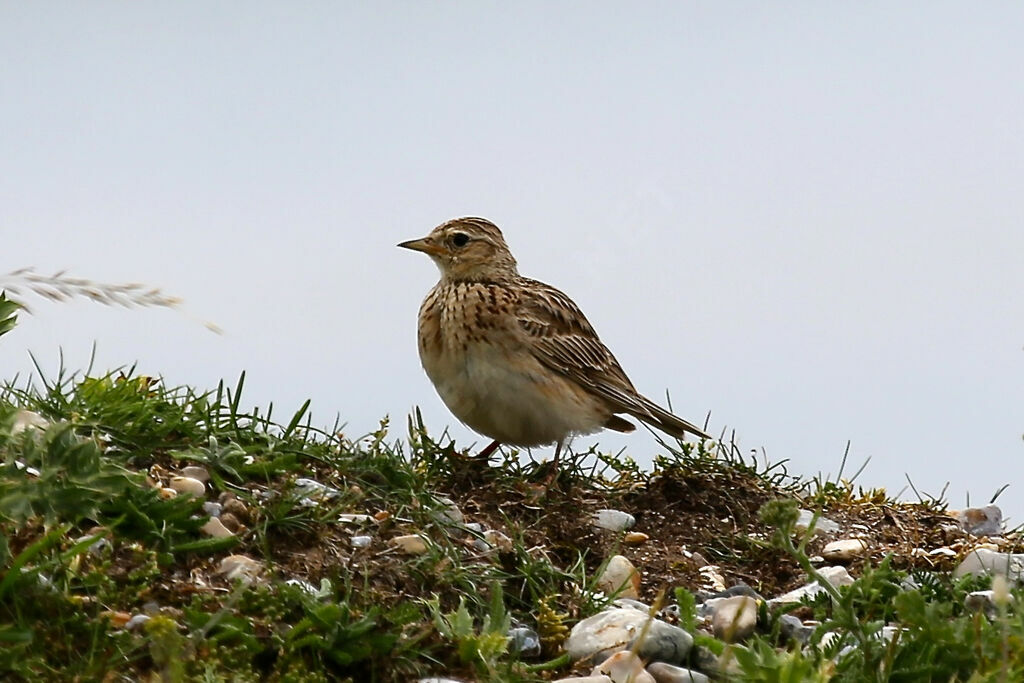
(658, 417)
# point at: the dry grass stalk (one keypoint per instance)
(61, 287)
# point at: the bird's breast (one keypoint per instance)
(478, 360)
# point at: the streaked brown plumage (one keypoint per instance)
(513, 358)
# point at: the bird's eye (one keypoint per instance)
(460, 239)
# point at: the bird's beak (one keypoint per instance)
(424, 245)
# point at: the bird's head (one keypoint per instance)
(467, 249)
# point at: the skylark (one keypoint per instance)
(513, 358)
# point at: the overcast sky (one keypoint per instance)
(806, 218)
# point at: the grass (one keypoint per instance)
(89, 538)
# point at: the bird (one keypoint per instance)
(515, 359)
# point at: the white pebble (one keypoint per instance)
(410, 544)
(214, 527)
(192, 487)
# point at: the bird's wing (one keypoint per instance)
(562, 339)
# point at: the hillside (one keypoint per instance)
(155, 533)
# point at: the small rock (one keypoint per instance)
(630, 603)
(495, 539)
(195, 472)
(739, 589)
(667, 673)
(347, 518)
(986, 521)
(189, 486)
(25, 420)
(822, 527)
(214, 527)
(212, 509)
(240, 567)
(597, 637)
(361, 541)
(22, 467)
(663, 642)
(707, 661)
(620, 578)
(449, 514)
(670, 613)
(410, 544)
(230, 521)
(984, 561)
(837, 576)
(601, 635)
(524, 641)
(137, 621)
(584, 679)
(474, 528)
(613, 520)
(735, 618)
(99, 546)
(624, 667)
(942, 552)
(167, 493)
(116, 619)
(844, 550)
(983, 601)
(237, 508)
(314, 493)
(635, 538)
(792, 628)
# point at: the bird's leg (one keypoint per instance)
(488, 451)
(558, 451)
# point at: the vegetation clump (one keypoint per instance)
(108, 571)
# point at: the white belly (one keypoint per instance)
(510, 397)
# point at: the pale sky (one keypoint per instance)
(804, 217)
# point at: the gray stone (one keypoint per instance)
(663, 642)
(707, 661)
(792, 628)
(667, 673)
(822, 527)
(524, 641)
(734, 619)
(986, 521)
(449, 513)
(600, 678)
(984, 601)
(195, 472)
(632, 604)
(598, 637)
(25, 420)
(984, 561)
(613, 520)
(837, 576)
(314, 493)
(738, 589)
